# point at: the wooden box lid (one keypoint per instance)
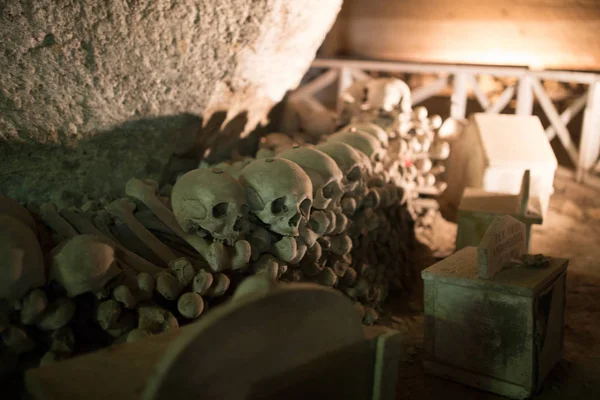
(460, 269)
(479, 201)
(514, 141)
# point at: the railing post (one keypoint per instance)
(589, 148)
(458, 101)
(524, 96)
(344, 82)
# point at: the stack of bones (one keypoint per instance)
(337, 213)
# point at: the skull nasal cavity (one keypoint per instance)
(220, 210)
(239, 224)
(294, 220)
(278, 205)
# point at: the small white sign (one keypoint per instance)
(505, 240)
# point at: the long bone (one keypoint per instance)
(123, 209)
(50, 216)
(103, 221)
(144, 191)
(134, 261)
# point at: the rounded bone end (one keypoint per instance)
(108, 313)
(34, 305)
(168, 286)
(58, 314)
(137, 334)
(202, 282)
(146, 286)
(190, 305)
(17, 340)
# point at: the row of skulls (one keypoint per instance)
(280, 191)
(271, 212)
(289, 211)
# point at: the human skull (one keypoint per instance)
(387, 93)
(278, 192)
(325, 175)
(232, 168)
(370, 128)
(21, 259)
(209, 201)
(361, 141)
(86, 263)
(276, 142)
(355, 167)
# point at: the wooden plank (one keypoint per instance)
(458, 106)
(424, 92)
(524, 97)
(502, 101)
(590, 133)
(359, 75)
(344, 82)
(552, 114)
(481, 97)
(396, 66)
(502, 32)
(317, 84)
(568, 114)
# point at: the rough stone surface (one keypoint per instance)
(93, 93)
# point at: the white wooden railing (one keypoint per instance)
(461, 78)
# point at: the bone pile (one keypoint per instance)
(335, 213)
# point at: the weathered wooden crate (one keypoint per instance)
(502, 334)
(493, 153)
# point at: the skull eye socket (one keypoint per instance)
(278, 205)
(305, 207)
(354, 174)
(220, 210)
(329, 190)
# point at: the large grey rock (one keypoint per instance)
(93, 93)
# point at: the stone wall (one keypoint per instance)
(93, 93)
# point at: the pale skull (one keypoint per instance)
(363, 142)
(387, 94)
(278, 192)
(209, 201)
(325, 175)
(370, 128)
(276, 142)
(85, 263)
(354, 166)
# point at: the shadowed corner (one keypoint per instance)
(95, 166)
(217, 141)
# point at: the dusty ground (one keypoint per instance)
(571, 230)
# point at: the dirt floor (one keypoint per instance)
(571, 230)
